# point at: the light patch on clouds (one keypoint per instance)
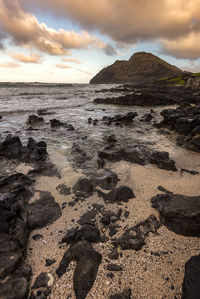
(32, 58)
(63, 66)
(9, 65)
(25, 30)
(131, 21)
(72, 60)
(84, 72)
(184, 47)
(191, 68)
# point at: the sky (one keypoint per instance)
(69, 41)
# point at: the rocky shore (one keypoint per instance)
(120, 220)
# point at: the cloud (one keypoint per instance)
(72, 60)
(63, 66)
(131, 21)
(185, 47)
(192, 67)
(25, 30)
(10, 65)
(32, 58)
(84, 72)
(2, 37)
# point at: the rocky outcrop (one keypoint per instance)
(139, 155)
(12, 148)
(55, 123)
(134, 237)
(184, 120)
(18, 218)
(141, 67)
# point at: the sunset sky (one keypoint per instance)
(71, 40)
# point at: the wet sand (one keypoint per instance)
(155, 271)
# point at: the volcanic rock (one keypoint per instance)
(126, 294)
(83, 187)
(122, 193)
(191, 283)
(88, 261)
(179, 213)
(63, 189)
(34, 119)
(44, 211)
(87, 232)
(106, 179)
(134, 237)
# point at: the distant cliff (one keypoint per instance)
(193, 82)
(141, 67)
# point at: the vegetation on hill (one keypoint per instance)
(178, 80)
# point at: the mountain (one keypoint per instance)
(141, 67)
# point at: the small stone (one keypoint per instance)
(114, 267)
(37, 237)
(49, 262)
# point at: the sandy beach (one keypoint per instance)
(155, 271)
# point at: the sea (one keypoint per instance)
(73, 104)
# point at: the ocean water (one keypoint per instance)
(73, 104)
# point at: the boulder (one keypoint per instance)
(44, 211)
(162, 160)
(122, 193)
(83, 187)
(191, 282)
(147, 117)
(113, 267)
(110, 138)
(34, 119)
(14, 288)
(63, 189)
(55, 123)
(87, 264)
(185, 121)
(88, 217)
(87, 232)
(126, 294)
(11, 147)
(79, 155)
(41, 112)
(106, 179)
(179, 213)
(43, 280)
(134, 237)
(36, 151)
